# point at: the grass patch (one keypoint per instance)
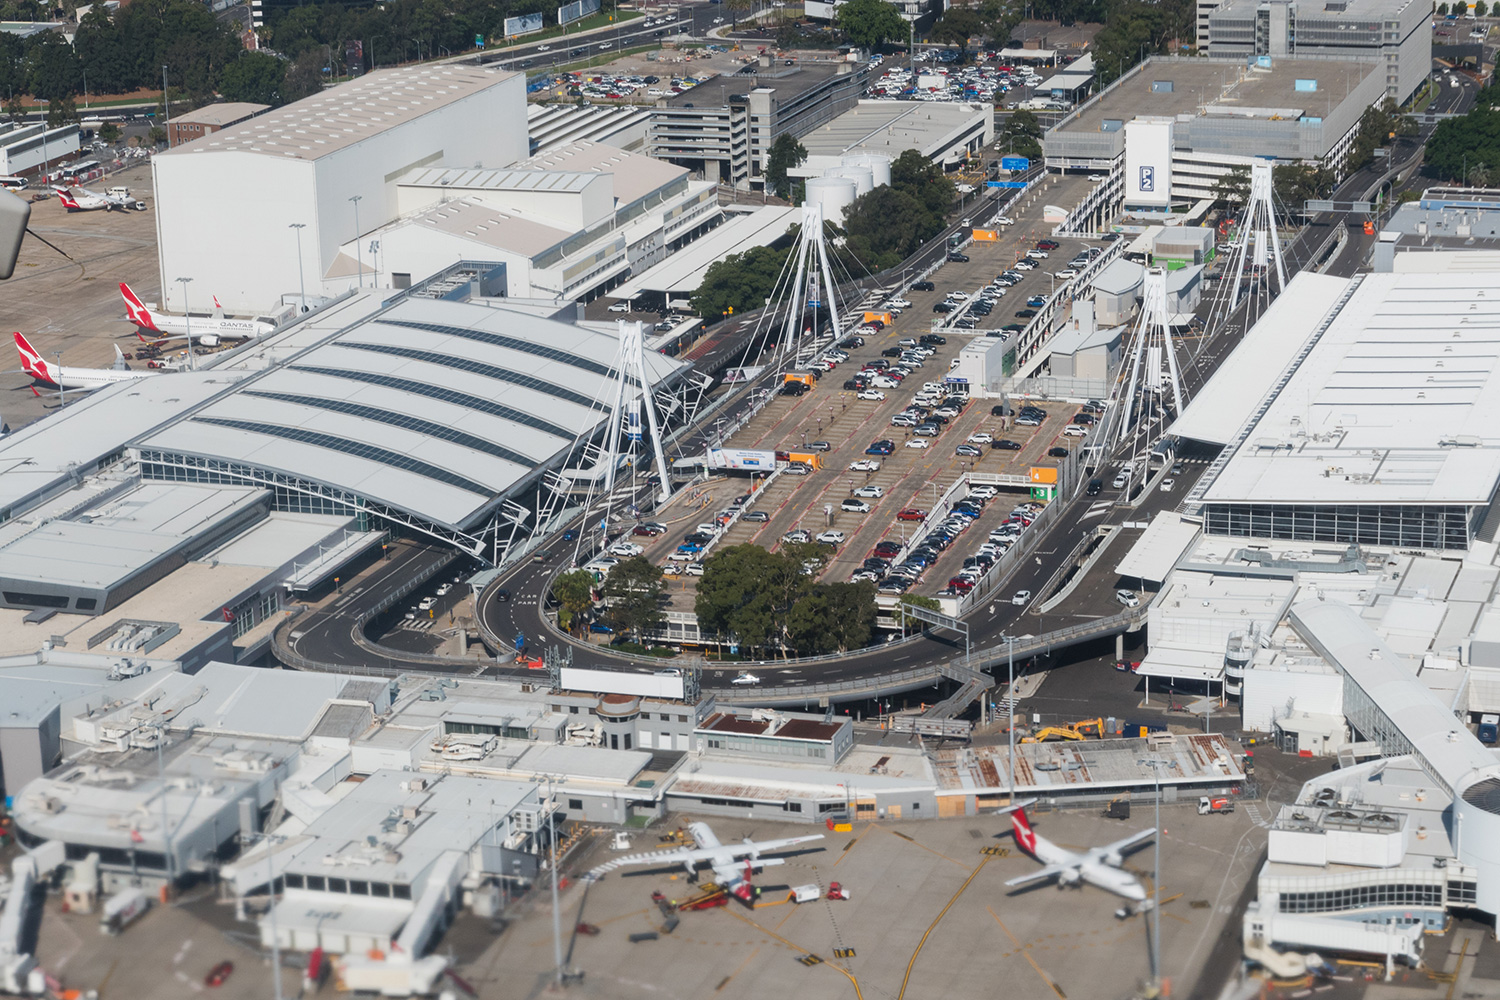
(660, 652)
(599, 20)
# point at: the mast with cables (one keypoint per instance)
(1258, 240)
(1153, 360)
(630, 362)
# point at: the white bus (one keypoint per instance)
(15, 183)
(73, 171)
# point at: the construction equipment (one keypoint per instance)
(1117, 809)
(1052, 733)
(1214, 804)
(1085, 727)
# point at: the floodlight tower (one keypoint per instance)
(630, 360)
(814, 278)
(1258, 236)
(1153, 357)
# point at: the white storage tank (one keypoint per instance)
(863, 178)
(879, 165)
(834, 194)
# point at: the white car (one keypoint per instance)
(831, 537)
(443, 590)
(956, 297)
(1068, 272)
(1025, 265)
(718, 20)
(1128, 598)
(744, 679)
(854, 505)
(620, 307)
(625, 549)
(1037, 254)
(1167, 484)
(864, 465)
(427, 603)
(870, 491)
(694, 569)
(874, 395)
(1075, 431)
(1021, 597)
(884, 381)
(899, 304)
(917, 443)
(1095, 178)
(979, 437)
(544, 48)
(1004, 220)
(984, 492)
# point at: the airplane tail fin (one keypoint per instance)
(139, 314)
(31, 360)
(120, 365)
(1021, 826)
(67, 199)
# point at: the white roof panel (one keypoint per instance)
(1231, 396)
(1159, 547)
(1397, 402)
(683, 272)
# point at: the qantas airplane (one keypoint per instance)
(1098, 866)
(206, 330)
(77, 199)
(729, 871)
(59, 377)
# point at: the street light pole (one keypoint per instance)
(1156, 763)
(358, 253)
(1010, 694)
(187, 319)
(166, 107)
(301, 279)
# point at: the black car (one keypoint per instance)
(1057, 453)
(931, 338)
(1005, 445)
(959, 258)
(997, 411)
(965, 324)
(923, 286)
(698, 538)
(852, 342)
(856, 384)
(794, 389)
(943, 307)
(1095, 485)
(891, 352)
(1025, 313)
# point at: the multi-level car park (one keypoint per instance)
(939, 82)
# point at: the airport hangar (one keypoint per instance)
(452, 419)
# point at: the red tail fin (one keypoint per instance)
(139, 314)
(31, 360)
(1025, 836)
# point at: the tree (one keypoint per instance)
(768, 600)
(786, 153)
(1022, 135)
(1233, 188)
(1459, 144)
(885, 226)
(739, 282)
(956, 27)
(255, 77)
(1479, 175)
(913, 601)
(1480, 8)
(109, 132)
(304, 77)
(61, 111)
(633, 593)
(920, 177)
(1442, 10)
(732, 600)
(870, 23)
(158, 135)
(574, 590)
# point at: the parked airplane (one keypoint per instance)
(206, 330)
(730, 872)
(77, 199)
(59, 377)
(1098, 866)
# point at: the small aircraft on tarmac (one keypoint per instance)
(58, 377)
(77, 199)
(730, 872)
(209, 331)
(1099, 866)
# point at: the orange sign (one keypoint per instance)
(811, 458)
(1043, 474)
(986, 235)
(885, 318)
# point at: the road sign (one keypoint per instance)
(1005, 184)
(1015, 163)
(932, 617)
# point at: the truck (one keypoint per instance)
(121, 909)
(1214, 804)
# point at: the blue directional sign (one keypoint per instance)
(520, 641)
(1015, 163)
(1005, 184)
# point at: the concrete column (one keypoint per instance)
(1120, 646)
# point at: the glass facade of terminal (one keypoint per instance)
(1410, 526)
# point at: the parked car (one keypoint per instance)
(884, 447)
(759, 516)
(912, 514)
(870, 491)
(855, 505)
(831, 537)
(1005, 444)
(1128, 598)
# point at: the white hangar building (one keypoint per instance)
(226, 204)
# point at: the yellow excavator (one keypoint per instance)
(1079, 730)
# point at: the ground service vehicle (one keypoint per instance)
(1216, 804)
(121, 909)
(1489, 729)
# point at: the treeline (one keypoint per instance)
(392, 32)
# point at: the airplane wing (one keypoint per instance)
(686, 856)
(1049, 871)
(1122, 844)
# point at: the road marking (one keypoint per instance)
(933, 926)
(1026, 952)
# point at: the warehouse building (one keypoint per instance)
(329, 164)
(209, 119)
(1176, 126)
(942, 132)
(1395, 36)
(726, 140)
(30, 148)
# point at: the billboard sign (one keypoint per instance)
(1014, 163)
(579, 9)
(527, 24)
(741, 458)
(1148, 162)
(1005, 184)
(665, 683)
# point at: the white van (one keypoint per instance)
(15, 183)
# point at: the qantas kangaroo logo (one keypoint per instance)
(31, 362)
(1024, 835)
(139, 314)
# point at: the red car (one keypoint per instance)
(961, 584)
(912, 514)
(218, 974)
(887, 549)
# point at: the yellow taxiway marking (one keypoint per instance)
(1024, 951)
(797, 947)
(935, 921)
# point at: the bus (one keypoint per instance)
(15, 183)
(73, 171)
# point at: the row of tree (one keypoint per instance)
(764, 601)
(1480, 8)
(1467, 149)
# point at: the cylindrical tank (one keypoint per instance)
(833, 193)
(863, 178)
(880, 166)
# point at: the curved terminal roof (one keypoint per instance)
(431, 407)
